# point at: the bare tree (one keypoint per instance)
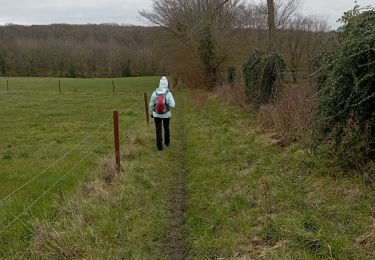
(205, 27)
(271, 24)
(284, 10)
(276, 14)
(303, 38)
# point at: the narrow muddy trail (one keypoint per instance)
(174, 243)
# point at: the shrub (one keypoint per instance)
(289, 114)
(209, 56)
(322, 65)
(263, 73)
(345, 114)
(233, 94)
(108, 170)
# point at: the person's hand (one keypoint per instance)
(152, 116)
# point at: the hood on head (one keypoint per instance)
(163, 85)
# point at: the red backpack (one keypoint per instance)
(161, 106)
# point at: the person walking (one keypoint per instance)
(161, 103)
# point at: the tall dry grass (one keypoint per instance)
(108, 169)
(288, 115)
(199, 98)
(233, 95)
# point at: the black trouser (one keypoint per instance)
(159, 123)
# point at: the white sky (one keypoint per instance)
(126, 11)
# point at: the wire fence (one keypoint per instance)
(18, 86)
(100, 129)
(55, 162)
(10, 194)
(51, 187)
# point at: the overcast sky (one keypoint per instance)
(125, 11)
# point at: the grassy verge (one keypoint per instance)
(245, 198)
(128, 218)
(249, 198)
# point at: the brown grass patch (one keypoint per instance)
(289, 114)
(367, 240)
(48, 243)
(108, 170)
(233, 95)
(199, 98)
(257, 246)
(96, 189)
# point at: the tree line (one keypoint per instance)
(62, 50)
(219, 35)
(216, 35)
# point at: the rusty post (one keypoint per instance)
(146, 107)
(117, 139)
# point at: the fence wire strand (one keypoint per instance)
(18, 217)
(122, 113)
(51, 187)
(55, 162)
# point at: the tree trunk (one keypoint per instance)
(271, 24)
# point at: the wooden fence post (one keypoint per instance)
(59, 86)
(116, 132)
(113, 87)
(146, 107)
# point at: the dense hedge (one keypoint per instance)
(345, 114)
(262, 74)
(323, 64)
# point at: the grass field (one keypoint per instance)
(38, 125)
(221, 191)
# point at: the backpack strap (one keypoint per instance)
(166, 102)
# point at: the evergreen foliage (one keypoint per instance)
(345, 114)
(262, 74)
(209, 55)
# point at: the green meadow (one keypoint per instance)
(222, 190)
(44, 133)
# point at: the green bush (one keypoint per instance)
(209, 56)
(262, 74)
(345, 114)
(322, 65)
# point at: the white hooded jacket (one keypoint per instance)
(162, 89)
